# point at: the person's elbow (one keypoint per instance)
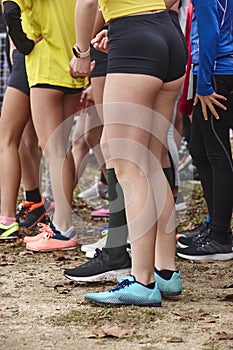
(11, 11)
(88, 4)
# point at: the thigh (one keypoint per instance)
(14, 115)
(47, 111)
(128, 112)
(50, 108)
(163, 106)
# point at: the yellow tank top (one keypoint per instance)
(117, 8)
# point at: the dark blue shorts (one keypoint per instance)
(100, 59)
(64, 89)
(147, 44)
(18, 78)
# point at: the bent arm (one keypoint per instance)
(12, 15)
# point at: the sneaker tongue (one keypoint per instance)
(123, 284)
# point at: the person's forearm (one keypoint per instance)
(85, 15)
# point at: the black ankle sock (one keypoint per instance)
(166, 274)
(151, 285)
(103, 178)
(168, 172)
(116, 252)
(33, 196)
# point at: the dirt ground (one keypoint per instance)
(40, 309)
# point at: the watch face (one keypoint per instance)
(75, 52)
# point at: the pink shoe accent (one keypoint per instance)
(103, 212)
(48, 242)
(52, 206)
(28, 239)
(42, 230)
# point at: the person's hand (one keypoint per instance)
(81, 67)
(100, 42)
(87, 98)
(38, 39)
(209, 102)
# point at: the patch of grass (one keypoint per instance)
(98, 317)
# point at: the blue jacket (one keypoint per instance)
(212, 41)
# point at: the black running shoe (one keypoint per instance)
(206, 249)
(30, 214)
(192, 236)
(102, 267)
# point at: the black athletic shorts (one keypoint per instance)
(18, 78)
(101, 59)
(64, 89)
(147, 44)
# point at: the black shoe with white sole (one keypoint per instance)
(102, 267)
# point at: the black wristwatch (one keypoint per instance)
(80, 54)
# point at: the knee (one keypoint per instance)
(54, 154)
(92, 137)
(8, 141)
(126, 170)
(30, 145)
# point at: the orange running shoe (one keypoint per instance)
(52, 239)
(31, 213)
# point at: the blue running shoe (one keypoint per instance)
(170, 287)
(128, 292)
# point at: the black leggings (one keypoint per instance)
(211, 151)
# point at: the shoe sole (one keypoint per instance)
(100, 215)
(50, 250)
(217, 256)
(123, 304)
(170, 294)
(106, 276)
(9, 238)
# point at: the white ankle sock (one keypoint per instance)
(69, 233)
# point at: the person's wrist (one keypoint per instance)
(79, 54)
